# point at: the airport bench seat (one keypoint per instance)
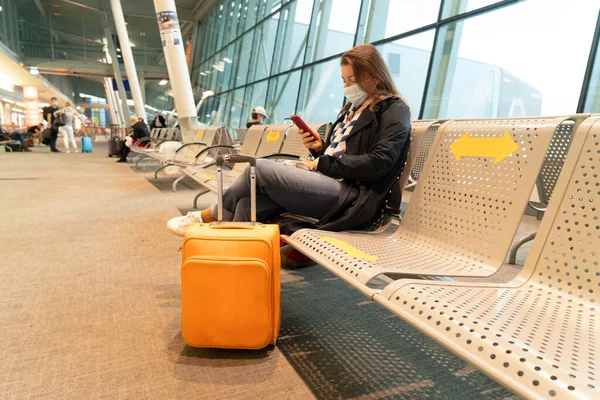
(539, 334)
(462, 216)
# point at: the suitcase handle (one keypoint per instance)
(236, 159)
(231, 225)
(230, 158)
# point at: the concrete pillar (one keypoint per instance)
(168, 25)
(110, 102)
(142, 78)
(127, 54)
(115, 63)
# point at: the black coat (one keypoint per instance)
(376, 152)
(140, 130)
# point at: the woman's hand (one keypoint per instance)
(309, 141)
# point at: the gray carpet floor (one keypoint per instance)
(90, 305)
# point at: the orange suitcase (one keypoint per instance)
(230, 279)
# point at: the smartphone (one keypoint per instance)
(299, 122)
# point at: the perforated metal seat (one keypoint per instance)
(204, 149)
(254, 135)
(462, 216)
(555, 158)
(272, 141)
(419, 129)
(540, 333)
(421, 155)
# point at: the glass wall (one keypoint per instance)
(449, 59)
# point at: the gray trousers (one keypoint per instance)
(279, 189)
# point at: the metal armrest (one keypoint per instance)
(190, 144)
(282, 155)
(184, 146)
(143, 140)
(537, 208)
(203, 151)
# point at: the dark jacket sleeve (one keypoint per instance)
(139, 131)
(394, 131)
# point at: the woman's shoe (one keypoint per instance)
(178, 225)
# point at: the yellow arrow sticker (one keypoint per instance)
(349, 249)
(497, 148)
(209, 176)
(200, 133)
(272, 137)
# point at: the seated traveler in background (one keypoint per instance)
(258, 117)
(14, 135)
(345, 187)
(138, 130)
(158, 122)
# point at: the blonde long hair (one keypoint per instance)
(365, 59)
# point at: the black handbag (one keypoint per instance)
(60, 120)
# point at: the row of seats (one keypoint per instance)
(275, 142)
(536, 334)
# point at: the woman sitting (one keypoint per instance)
(345, 187)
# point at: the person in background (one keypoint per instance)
(258, 117)
(18, 136)
(35, 130)
(68, 130)
(158, 122)
(346, 185)
(50, 118)
(139, 130)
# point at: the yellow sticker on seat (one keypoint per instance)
(349, 249)
(272, 137)
(200, 133)
(209, 176)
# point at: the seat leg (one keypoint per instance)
(145, 167)
(140, 159)
(177, 181)
(158, 170)
(203, 191)
(512, 257)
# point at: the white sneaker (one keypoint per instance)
(178, 225)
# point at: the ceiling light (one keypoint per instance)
(118, 49)
(227, 60)
(163, 82)
(202, 73)
(119, 56)
(34, 71)
(8, 101)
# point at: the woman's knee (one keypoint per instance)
(267, 171)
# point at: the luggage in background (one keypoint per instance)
(86, 144)
(14, 147)
(230, 279)
(114, 147)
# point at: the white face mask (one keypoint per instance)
(355, 94)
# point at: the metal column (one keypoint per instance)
(134, 84)
(168, 24)
(118, 76)
(110, 102)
